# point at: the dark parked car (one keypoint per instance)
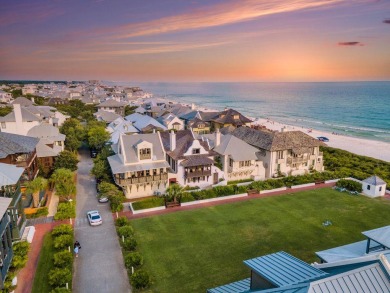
(323, 138)
(94, 152)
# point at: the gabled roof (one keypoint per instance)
(46, 131)
(372, 278)
(141, 121)
(196, 123)
(297, 141)
(374, 180)
(112, 103)
(9, 174)
(227, 117)
(197, 160)
(379, 235)
(44, 150)
(22, 101)
(26, 116)
(282, 269)
(241, 286)
(4, 204)
(106, 116)
(238, 149)
(14, 144)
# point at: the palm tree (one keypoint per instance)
(63, 180)
(174, 193)
(34, 187)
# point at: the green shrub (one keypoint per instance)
(20, 250)
(41, 212)
(63, 229)
(116, 202)
(151, 202)
(63, 259)
(350, 185)
(239, 181)
(133, 259)
(65, 211)
(63, 241)
(130, 244)
(125, 231)
(58, 277)
(122, 221)
(140, 279)
(61, 290)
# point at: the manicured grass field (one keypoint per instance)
(45, 264)
(191, 251)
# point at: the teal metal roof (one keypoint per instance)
(379, 235)
(301, 288)
(282, 269)
(236, 287)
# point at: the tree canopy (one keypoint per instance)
(67, 160)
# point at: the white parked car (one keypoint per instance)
(94, 218)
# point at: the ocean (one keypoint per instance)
(359, 109)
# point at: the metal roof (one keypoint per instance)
(380, 235)
(14, 143)
(236, 287)
(9, 174)
(238, 149)
(282, 269)
(4, 204)
(356, 249)
(371, 278)
(374, 180)
(141, 121)
(301, 288)
(118, 167)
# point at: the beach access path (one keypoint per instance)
(99, 266)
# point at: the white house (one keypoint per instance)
(5, 97)
(171, 121)
(19, 121)
(118, 127)
(374, 186)
(139, 166)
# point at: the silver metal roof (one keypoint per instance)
(282, 269)
(236, 287)
(380, 235)
(118, 167)
(371, 278)
(238, 149)
(9, 174)
(374, 180)
(345, 252)
(4, 204)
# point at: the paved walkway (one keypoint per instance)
(53, 204)
(99, 267)
(27, 274)
(130, 215)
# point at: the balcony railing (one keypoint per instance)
(144, 179)
(6, 263)
(198, 173)
(297, 160)
(145, 156)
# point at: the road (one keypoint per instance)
(99, 266)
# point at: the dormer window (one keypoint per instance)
(221, 115)
(236, 116)
(145, 154)
(195, 151)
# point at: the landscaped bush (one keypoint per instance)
(350, 185)
(130, 244)
(151, 202)
(239, 181)
(122, 221)
(41, 212)
(58, 277)
(125, 231)
(63, 229)
(65, 211)
(63, 259)
(116, 202)
(63, 242)
(19, 259)
(140, 280)
(61, 290)
(133, 259)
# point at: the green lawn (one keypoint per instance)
(45, 264)
(191, 251)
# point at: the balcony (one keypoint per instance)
(139, 180)
(297, 160)
(145, 156)
(198, 173)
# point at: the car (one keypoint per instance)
(102, 199)
(94, 218)
(323, 138)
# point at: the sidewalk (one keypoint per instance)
(27, 274)
(130, 215)
(53, 204)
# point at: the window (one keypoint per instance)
(313, 151)
(294, 165)
(195, 151)
(145, 154)
(231, 163)
(3, 125)
(368, 187)
(380, 188)
(319, 160)
(236, 116)
(280, 154)
(147, 172)
(245, 163)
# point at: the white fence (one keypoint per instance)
(302, 185)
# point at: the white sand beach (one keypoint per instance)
(371, 148)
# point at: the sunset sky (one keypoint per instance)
(205, 40)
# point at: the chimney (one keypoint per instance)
(32, 100)
(217, 137)
(172, 140)
(192, 106)
(18, 116)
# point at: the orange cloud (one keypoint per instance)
(222, 14)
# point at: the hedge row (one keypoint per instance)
(65, 211)
(63, 258)
(19, 260)
(350, 185)
(132, 258)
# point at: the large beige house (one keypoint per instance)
(140, 165)
(284, 153)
